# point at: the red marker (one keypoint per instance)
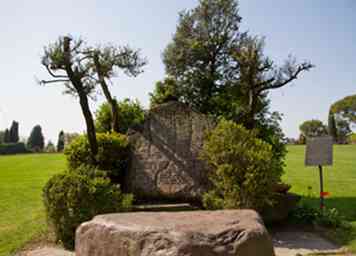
(324, 194)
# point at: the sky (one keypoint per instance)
(320, 31)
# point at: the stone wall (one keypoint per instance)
(165, 154)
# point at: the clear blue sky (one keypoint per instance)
(319, 30)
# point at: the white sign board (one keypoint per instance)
(319, 151)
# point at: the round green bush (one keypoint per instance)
(113, 154)
(71, 199)
(243, 169)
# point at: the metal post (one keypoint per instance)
(321, 187)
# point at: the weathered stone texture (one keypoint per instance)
(165, 153)
(197, 233)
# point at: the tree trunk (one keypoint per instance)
(83, 100)
(112, 102)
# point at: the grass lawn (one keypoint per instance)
(21, 210)
(339, 180)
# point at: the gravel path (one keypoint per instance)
(291, 243)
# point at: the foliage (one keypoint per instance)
(36, 140)
(243, 168)
(13, 148)
(327, 217)
(220, 70)
(164, 91)
(60, 143)
(130, 113)
(112, 155)
(71, 199)
(313, 128)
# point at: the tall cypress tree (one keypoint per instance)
(14, 132)
(60, 143)
(36, 140)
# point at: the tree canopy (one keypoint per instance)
(313, 128)
(220, 70)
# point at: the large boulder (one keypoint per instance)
(165, 154)
(197, 233)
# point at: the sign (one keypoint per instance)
(319, 151)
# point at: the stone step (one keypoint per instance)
(164, 208)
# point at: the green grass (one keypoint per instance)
(339, 180)
(21, 210)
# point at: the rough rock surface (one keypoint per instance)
(165, 154)
(197, 233)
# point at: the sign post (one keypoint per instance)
(319, 152)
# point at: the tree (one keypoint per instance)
(313, 128)
(60, 143)
(66, 62)
(36, 140)
(220, 70)
(83, 68)
(106, 62)
(129, 113)
(14, 132)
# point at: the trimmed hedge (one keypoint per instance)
(113, 154)
(13, 148)
(243, 168)
(71, 199)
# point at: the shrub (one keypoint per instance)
(243, 170)
(13, 148)
(327, 217)
(71, 199)
(112, 155)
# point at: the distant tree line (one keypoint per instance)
(10, 141)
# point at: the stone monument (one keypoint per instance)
(165, 160)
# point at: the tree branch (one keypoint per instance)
(293, 76)
(43, 82)
(54, 75)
